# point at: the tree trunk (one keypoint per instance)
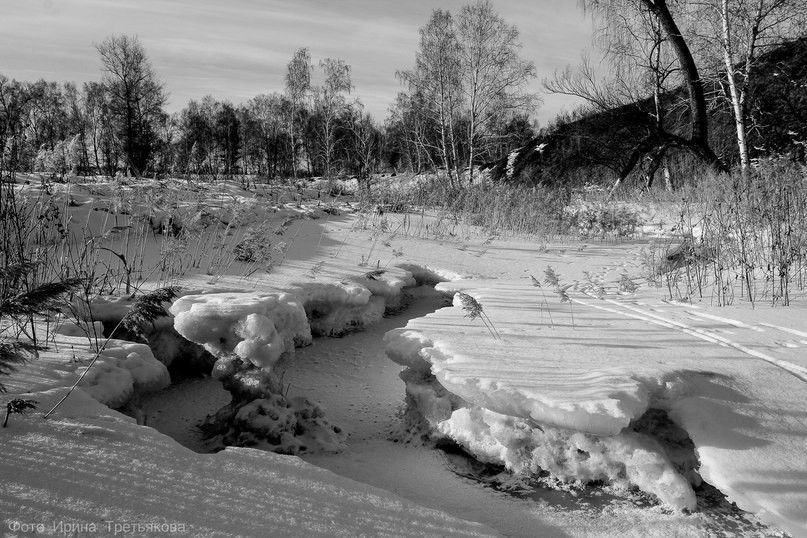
(293, 145)
(736, 98)
(446, 155)
(698, 143)
(694, 84)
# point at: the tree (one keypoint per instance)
(270, 112)
(298, 83)
(747, 28)
(411, 132)
(97, 111)
(227, 136)
(641, 65)
(364, 144)
(330, 103)
(15, 105)
(493, 74)
(437, 78)
(659, 141)
(136, 98)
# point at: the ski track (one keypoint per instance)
(705, 334)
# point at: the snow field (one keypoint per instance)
(560, 391)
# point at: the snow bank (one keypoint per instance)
(611, 402)
(427, 274)
(521, 437)
(254, 336)
(527, 448)
(262, 327)
(123, 370)
(565, 384)
(259, 328)
(88, 465)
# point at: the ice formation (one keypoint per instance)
(254, 335)
(259, 328)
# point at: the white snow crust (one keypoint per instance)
(256, 327)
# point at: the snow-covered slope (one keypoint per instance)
(88, 465)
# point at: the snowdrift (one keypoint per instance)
(562, 384)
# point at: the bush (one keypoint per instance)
(603, 219)
(747, 234)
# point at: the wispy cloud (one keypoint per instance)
(235, 50)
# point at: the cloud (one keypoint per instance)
(237, 50)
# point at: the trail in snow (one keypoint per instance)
(629, 310)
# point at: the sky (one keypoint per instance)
(236, 49)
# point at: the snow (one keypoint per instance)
(257, 327)
(568, 455)
(71, 328)
(560, 387)
(102, 468)
(569, 378)
(122, 370)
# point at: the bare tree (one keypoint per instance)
(659, 141)
(493, 74)
(269, 112)
(736, 32)
(330, 102)
(298, 83)
(641, 64)
(414, 126)
(136, 97)
(436, 77)
(365, 143)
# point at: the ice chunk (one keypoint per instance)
(524, 448)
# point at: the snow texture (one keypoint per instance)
(93, 465)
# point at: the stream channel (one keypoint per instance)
(359, 389)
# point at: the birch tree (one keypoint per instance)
(330, 102)
(437, 77)
(493, 74)
(298, 83)
(745, 29)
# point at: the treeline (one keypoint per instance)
(119, 125)
(464, 104)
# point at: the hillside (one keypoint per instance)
(600, 142)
